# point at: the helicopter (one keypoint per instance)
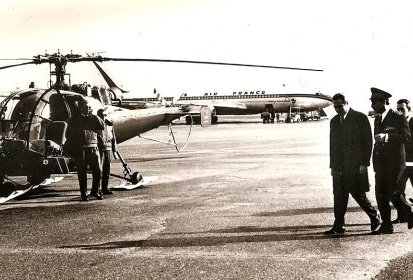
(33, 122)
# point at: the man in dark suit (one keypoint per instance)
(391, 133)
(404, 108)
(350, 152)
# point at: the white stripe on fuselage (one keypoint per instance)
(254, 101)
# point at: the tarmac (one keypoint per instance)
(243, 201)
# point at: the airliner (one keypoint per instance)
(237, 102)
(241, 102)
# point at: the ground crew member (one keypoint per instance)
(83, 145)
(107, 145)
(350, 152)
(391, 133)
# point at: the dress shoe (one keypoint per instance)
(97, 196)
(335, 231)
(410, 221)
(375, 226)
(386, 230)
(107, 192)
(399, 220)
(377, 232)
(84, 197)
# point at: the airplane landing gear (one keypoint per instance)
(214, 119)
(267, 117)
(189, 120)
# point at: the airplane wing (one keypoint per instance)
(193, 107)
(229, 105)
(137, 104)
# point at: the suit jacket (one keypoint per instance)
(409, 145)
(391, 155)
(351, 142)
(350, 147)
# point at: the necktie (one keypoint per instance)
(379, 118)
(341, 120)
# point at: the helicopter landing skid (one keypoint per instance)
(127, 185)
(132, 180)
(12, 189)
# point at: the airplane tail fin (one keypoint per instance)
(322, 113)
(159, 97)
(176, 98)
(329, 112)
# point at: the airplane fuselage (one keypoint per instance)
(258, 103)
(251, 102)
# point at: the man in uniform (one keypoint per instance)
(83, 145)
(107, 145)
(391, 133)
(404, 108)
(350, 153)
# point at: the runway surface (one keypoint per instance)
(243, 201)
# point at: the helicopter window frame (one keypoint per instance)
(14, 125)
(31, 139)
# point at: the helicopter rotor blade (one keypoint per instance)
(15, 65)
(16, 58)
(206, 62)
(79, 58)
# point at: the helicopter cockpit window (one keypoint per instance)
(102, 94)
(59, 110)
(26, 117)
(15, 111)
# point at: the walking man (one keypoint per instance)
(350, 152)
(391, 133)
(404, 108)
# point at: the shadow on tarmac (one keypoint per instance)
(249, 229)
(206, 241)
(300, 211)
(48, 196)
(139, 160)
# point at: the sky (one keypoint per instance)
(358, 44)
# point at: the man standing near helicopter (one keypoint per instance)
(83, 145)
(106, 144)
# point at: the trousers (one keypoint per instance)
(386, 186)
(89, 157)
(106, 159)
(341, 194)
